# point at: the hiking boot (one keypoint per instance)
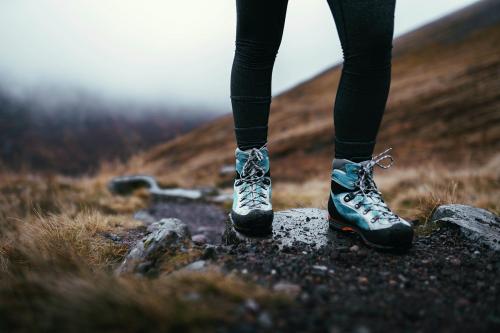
(252, 211)
(356, 205)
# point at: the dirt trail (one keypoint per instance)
(444, 283)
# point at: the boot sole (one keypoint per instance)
(348, 228)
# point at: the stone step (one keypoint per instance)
(303, 225)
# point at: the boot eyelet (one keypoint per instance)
(347, 198)
(357, 206)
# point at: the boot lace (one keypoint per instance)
(366, 187)
(255, 180)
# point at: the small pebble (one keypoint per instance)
(462, 302)
(265, 320)
(320, 267)
(287, 288)
(209, 253)
(252, 305)
(363, 280)
(199, 239)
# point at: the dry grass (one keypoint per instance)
(57, 266)
(416, 192)
(88, 302)
(23, 195)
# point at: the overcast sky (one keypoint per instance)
(174, 52)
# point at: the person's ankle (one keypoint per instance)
(354, 151)
(355, 159)
(252, 145)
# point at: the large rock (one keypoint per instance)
(164, 236)
(305, 225)
(476, 224)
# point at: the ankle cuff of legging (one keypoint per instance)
(252, 99)
(354, 151)
(251, 137)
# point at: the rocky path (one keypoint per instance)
(447, 282)
(444, 283)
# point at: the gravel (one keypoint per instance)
(444, 283)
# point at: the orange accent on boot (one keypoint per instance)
(347, 229)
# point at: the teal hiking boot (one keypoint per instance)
(356, 205)
(252, 211)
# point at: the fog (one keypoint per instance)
(170, 52)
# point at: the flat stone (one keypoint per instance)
(126, 184)
(477, 224)
(303, 225)
(161, 236)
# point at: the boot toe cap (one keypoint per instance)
(256, 222)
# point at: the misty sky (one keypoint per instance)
(172, 52)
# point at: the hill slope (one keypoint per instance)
(443, 107)
(39, 133)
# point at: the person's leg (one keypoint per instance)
(258, 36)
(365, 29)
(355, 204)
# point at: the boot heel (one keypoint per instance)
(339, 226)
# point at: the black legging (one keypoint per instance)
(365, 29)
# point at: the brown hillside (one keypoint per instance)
(444, 107)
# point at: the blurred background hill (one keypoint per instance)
(76, 135)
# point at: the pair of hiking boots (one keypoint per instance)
(354, 205)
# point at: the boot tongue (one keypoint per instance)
(346, 172)
(242, 157)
